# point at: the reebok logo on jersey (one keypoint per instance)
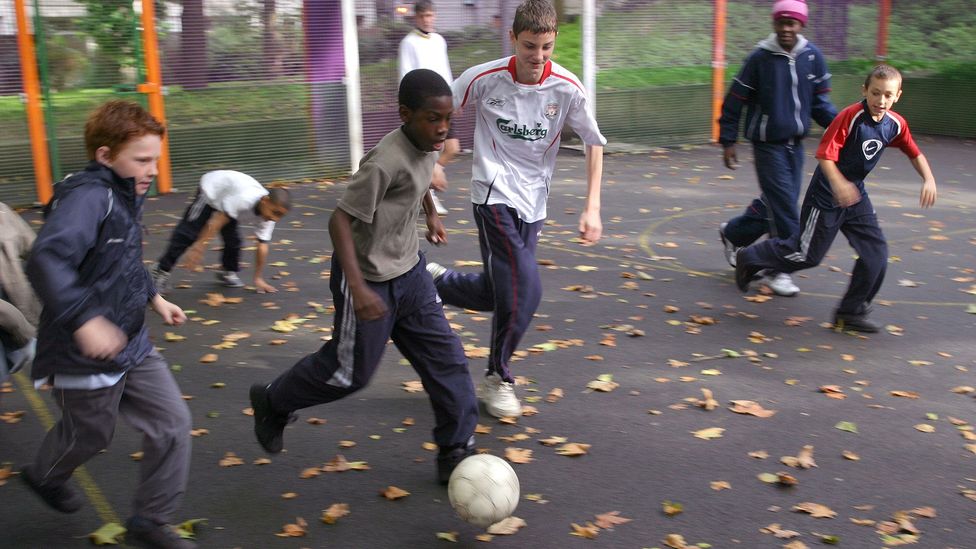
(521, 131)
(871, 147)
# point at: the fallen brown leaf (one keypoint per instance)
(335, 512)
(506, 527)
(518, 455)
(815, 510)
(392, 492)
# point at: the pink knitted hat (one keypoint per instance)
(794, 9)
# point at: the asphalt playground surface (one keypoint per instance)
(654, 306)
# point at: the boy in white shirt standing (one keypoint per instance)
(521, 104)
(423, 48)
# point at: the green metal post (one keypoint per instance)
(52, 136)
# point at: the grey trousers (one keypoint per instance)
(149, 400)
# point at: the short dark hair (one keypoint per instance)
(420, 84)
(422, 6)
(883, 72)
(535, 16)
(115, 122)
(280, 197)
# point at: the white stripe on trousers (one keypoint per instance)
(346, 355)
(197, 208)
(806, 237)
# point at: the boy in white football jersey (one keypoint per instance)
(521, 104)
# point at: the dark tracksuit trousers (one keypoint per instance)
(188, 230)
(415, 322)
(149, 400)
(806, 249)
(779, 169)
(510, 285)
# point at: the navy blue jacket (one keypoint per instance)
(87, 261)
(779, 92)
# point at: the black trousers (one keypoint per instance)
(859, 223)
(188, 230)
(415, 322)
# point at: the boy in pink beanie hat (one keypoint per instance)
(782, 85)
(790, 9)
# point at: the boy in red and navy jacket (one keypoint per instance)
(836, 200)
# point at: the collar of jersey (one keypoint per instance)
(546, 71)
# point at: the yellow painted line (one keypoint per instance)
(81, 475)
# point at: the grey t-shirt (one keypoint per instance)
(384, 197)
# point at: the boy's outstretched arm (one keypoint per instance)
(928, 194)
(367, 304)
(260, 260)
(845, 192)
(590, 225)
(195, 254)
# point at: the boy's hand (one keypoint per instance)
(846, 194)
(729, 157)
(172, 314)
(927, 198)
(438, 181)
(100, 339)
(590, 226)
(263, 287)
(369, 305)
(436, 233)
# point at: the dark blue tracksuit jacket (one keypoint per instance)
(87, 261)
(780, 91)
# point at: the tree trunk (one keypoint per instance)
(270, 40)
(194, 66)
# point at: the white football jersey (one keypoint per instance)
(517, 131)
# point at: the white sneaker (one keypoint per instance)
(499, 397)
(781, 284)
(438, 207)
(730, 249)
(230, 279)
(436, 270)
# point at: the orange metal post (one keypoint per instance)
(35, 116)
(884, 13)
(153, 88)
(718, 66)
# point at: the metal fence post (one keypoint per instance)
(49, 122)
(153, 88)
(718, 66)
(884, 13)
(35, 115)
(589, 50)
(354, 101)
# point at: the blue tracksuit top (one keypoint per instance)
(779, 92)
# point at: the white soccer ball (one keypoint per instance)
(483, 489)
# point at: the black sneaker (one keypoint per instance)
(744, 274)
(269, 427)
(449, 457)
(147, 533)
(855, 323)
(62, 498)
